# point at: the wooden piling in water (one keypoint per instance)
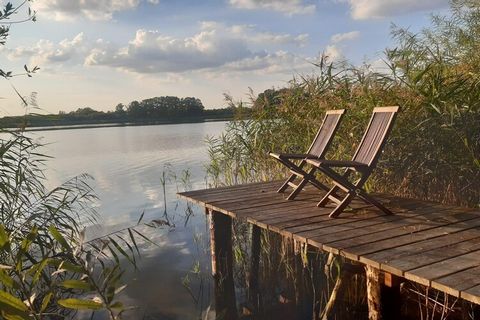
(374, 293)
(222, 265)
(253, 285)
(383, 295)
(391, 297)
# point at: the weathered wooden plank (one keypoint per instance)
(466, 258)
(277, 223)
(462, 256)
(358, 235)
(377, 233)
(335, 226)
(454, 283)
(253, 195)
(355, 219)
(360, 218)
(233, 206)
(226, 189)
(395, 248)
(277, 209)
(322, 222)
(285, 214)
(419, 259)
(258, 203)
(471, 294)
(244, 193)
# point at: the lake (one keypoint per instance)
(128, 165)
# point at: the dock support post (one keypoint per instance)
(303, 291)
(373, 293)
(222, 265)
(253, 285)
(391, 297)
(384, 297)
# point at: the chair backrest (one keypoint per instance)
(376, 135)
(325, 134)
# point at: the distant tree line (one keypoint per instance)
(165, 109)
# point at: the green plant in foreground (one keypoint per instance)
(47, 267)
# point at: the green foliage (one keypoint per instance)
(47, 267)
(434, 151)
(164, 107)
(9, 11)
(152, 110)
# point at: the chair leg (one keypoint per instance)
(307, 177)
(366, 197)
(326, 198)
(285, 184)
(297, 190)
(343, 204)
(317, 184)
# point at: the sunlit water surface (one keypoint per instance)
(128, 165)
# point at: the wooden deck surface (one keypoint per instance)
(429, 243)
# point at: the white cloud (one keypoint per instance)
(289, 7)
(214, 47)
(152, 52)
(333, 52)
(379, 66)
(249, 34)
(341, 37)
(277, 62)
(90, 9)
(371, 9)
(46, 52)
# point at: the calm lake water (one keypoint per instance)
(128, 165)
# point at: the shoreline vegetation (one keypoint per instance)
(152, 111)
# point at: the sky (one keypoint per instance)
(98, 53)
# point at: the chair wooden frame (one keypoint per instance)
(363, 162)
(317, 150)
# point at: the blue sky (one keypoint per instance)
(103, 52)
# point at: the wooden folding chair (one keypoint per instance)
(364, 162)
(317, 150)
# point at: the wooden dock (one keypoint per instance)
(432, 244)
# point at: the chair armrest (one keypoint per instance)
(299, 156)
(337, 163)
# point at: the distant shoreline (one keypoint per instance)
(120, 124)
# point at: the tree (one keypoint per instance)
(135, 110)
(120, 108)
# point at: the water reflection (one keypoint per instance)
(139, 170)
